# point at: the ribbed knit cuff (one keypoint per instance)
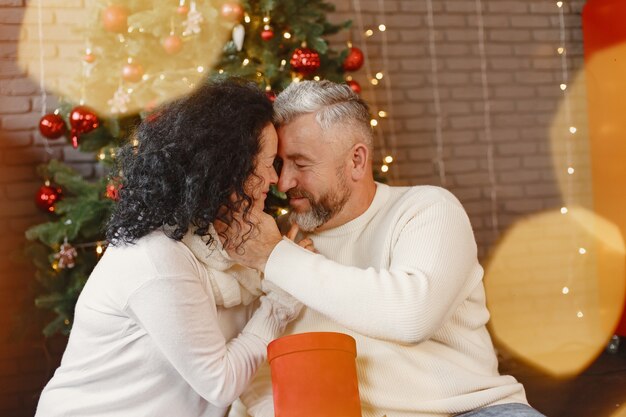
(264, 322)
(277, 309)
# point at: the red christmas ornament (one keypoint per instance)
(270, 95)
(354, 60)
(113, 191)
(173, 44)
(83, 120)
(132, 72)
(182, 10)
(356, 87)
(89, 58)
(46, 197)
(52, 126)
(115, 19)
(267, 33)
(232, 11)
(305, 60)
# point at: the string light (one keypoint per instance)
(287, 35)
(493, 189)
(381, 141)
(382, 113)
(432, 49)
(246, 18)
(561, 51)
(246, 61)
(384, 168)
(382, 28)
(316, 78)
(379, 75)
(388, 159)
(42, 83)
(200, 69)
(369, 32)
(266, 19)
(102, 156)
(284, 211)
(99, 248)
(374, 122)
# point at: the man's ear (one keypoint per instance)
(360, 158)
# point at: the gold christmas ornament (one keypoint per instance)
(113, 31)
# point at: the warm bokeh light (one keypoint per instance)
(553, 308)
(100, 64)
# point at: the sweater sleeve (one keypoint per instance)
(433, 268)
(181, 319)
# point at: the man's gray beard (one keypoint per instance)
(321, 211)
(310, 220)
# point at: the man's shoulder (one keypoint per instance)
(422, 195)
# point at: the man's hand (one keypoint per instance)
(306, 243)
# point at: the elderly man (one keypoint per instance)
(396, 269)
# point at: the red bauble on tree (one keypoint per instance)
(52, 126)
(355, 86)
(173, 44)
(305, 60)
(89, 58)
(267, 33)
(271, 95)
(47, 196)
(232, 11)
(83, 120)
(132, 72)
(115, 19)
(113, 190)
(354, 60)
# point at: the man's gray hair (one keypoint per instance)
(332, 104)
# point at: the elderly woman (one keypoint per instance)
(165, 324)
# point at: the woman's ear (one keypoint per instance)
(360, 158)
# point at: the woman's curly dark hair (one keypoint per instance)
(193, 155)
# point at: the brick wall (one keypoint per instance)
(524, 73)
(527, 109)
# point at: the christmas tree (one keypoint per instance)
(139, 54)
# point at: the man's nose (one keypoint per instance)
(273, 176)
(286, 181)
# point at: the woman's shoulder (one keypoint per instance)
(159, 254)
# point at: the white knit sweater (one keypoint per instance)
(402, 279)
(148, 339)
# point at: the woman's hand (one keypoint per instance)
(254, 251)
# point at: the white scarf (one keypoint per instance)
(232, 284)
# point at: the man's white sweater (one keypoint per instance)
(402, 279)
